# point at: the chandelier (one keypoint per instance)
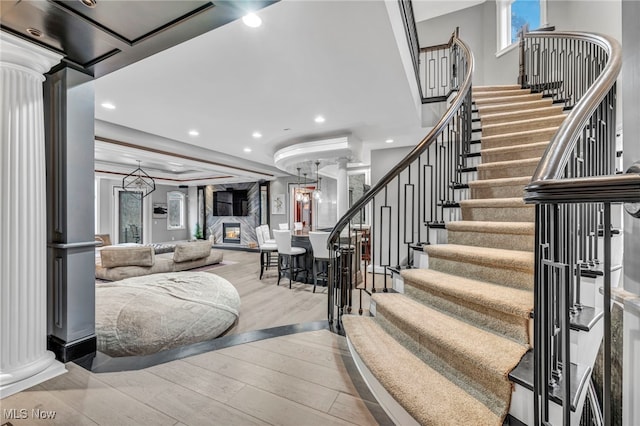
(305, 193)
(139, 181)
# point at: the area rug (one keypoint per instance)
(145, 315)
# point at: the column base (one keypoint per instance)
(66, 352)
(55, 369)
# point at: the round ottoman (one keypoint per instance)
(145, 315)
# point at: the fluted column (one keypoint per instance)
(24, 359)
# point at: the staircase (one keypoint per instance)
(443, 349)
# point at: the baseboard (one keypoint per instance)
(66, 352)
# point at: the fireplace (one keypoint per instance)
(231, 233)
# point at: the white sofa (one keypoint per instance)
(117, 263)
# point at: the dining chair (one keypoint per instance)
(267, 251)
(283, 226)
(321, 256)
(289, 253)
(297, 226)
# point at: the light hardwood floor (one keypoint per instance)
(300, 379)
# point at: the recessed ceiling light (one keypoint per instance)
(247, 150)
(389, 141)
(34, 32)
(252, 20)
(108, 105)
(256, 135)
(89, 3)
(319, 119)
(194, 133)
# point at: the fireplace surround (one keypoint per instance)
(231, 233)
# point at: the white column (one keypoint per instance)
(24, 359)
(343, 188)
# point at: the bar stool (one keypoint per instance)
(321, 255)
(267, 250)
(265, 235)
(283, 242)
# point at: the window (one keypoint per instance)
(175, 210)
(513, 15)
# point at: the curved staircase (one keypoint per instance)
(443, 349)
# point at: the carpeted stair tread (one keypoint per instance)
(468, 355)
(428, 396)
(514, 106)
(499, 187)
(523, 114)
(508, 300)
(498, 93)
(509, 168)
(486, 256)
(521, 125)
(508, 99)
(507, 164)
(519, 138)
(520, 180)
(495, 87)
(505, 235)
(513, 153)
(511, 209)
(512, 228)
(495, 202)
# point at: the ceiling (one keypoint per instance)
(338, 59)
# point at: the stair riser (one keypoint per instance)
(500, 241)
(508, 99)
(500, 108)
(494, 274)
(507, 117)
(507, 172)
(498, 93)
(502, 191)
(499, 87)
(512, 326)
(499, 214)
(446, 360)
(501, 141)
(519, 153)
(521, 126)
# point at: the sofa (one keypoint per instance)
(116, 263)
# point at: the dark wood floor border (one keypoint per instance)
(102, 363)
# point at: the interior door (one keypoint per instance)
(129, 217)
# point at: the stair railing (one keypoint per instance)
(573, 188)
(398, 210)
(438, 78)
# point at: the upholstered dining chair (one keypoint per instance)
(283, 226)
(288, 253)
(267, 251)
(297, 226)
(318, 241)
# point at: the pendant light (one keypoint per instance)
(139, 181)
(305, 194)
(298, 192)
(317, 194)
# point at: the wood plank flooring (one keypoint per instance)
(299, 379)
